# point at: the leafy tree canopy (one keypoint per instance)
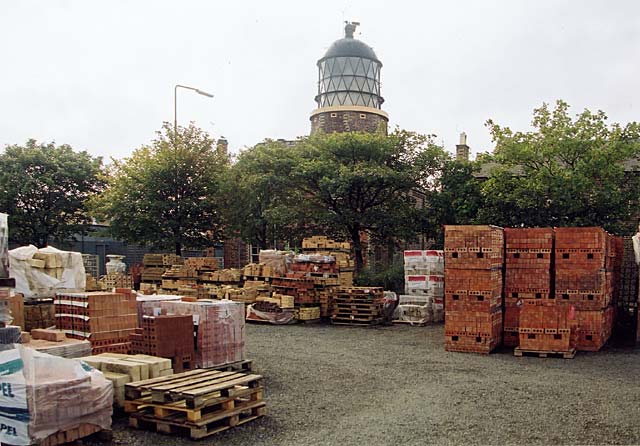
(565, 172)
(44, 188)
(261, 202)
(366, 182)
(167, 193)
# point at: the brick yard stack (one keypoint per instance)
(585, 271)
(168, 336)
(424, 288)
(219, 328)
(155, 265)
(105, 319)
(340, 273)
(303, 290)
(341, 251)
(473, 288)
(528, 274)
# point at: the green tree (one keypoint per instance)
(363, 182)
(261, 203)
(566, 172)
(167, 193)
(44, 188)
(454, 200)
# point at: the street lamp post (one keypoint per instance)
(175, 144)
(175, 103)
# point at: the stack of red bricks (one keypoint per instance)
(105, 319)
(166, 336)
(474, 257)
(527, 276)
(586, 265)
(219, 329)
(301, 288)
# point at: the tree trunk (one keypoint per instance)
(178, 248)
(357, 248)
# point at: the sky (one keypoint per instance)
(100, 75)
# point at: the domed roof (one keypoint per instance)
(350, 47)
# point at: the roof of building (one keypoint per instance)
(350, 47)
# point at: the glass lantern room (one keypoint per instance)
(349, 74)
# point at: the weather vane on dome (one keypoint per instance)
(350, 28)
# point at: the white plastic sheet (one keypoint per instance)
(36, 282)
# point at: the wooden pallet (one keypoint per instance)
(211, 424)
(74, 434)
(240, 366)
(570, 354)
(195, 387)
(174, 411)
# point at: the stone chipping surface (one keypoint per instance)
(395, 385)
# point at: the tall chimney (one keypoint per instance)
(462, 149)
(222, 146)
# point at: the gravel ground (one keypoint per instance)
(335, 385)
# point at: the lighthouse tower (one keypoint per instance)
(348, 96)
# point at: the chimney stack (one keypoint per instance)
(222, 146)
(462, 149)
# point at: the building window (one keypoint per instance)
(334, 115)
(363, 116)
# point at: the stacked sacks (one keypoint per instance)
(424, 287)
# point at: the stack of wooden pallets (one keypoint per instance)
(197, 403)
(357, 306)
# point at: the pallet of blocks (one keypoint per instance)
(115, 280)
(39, 313)
(473, 288)
(122, 369)
(55, 343)
(166, 336)
(527, 275)
(50, 400)
(585, 272)
(219, 328)
(105, 319)
(357, 306)
(195, 404)
(545, 331)
(340, 251)
(424, 287)
(155, 265)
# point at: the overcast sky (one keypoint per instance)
(99, 75)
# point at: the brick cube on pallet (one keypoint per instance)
(167, 336)
(545, 328)
(527, 275)
(473, 288)
(219, 332)
(587, 266)
(105, 319)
